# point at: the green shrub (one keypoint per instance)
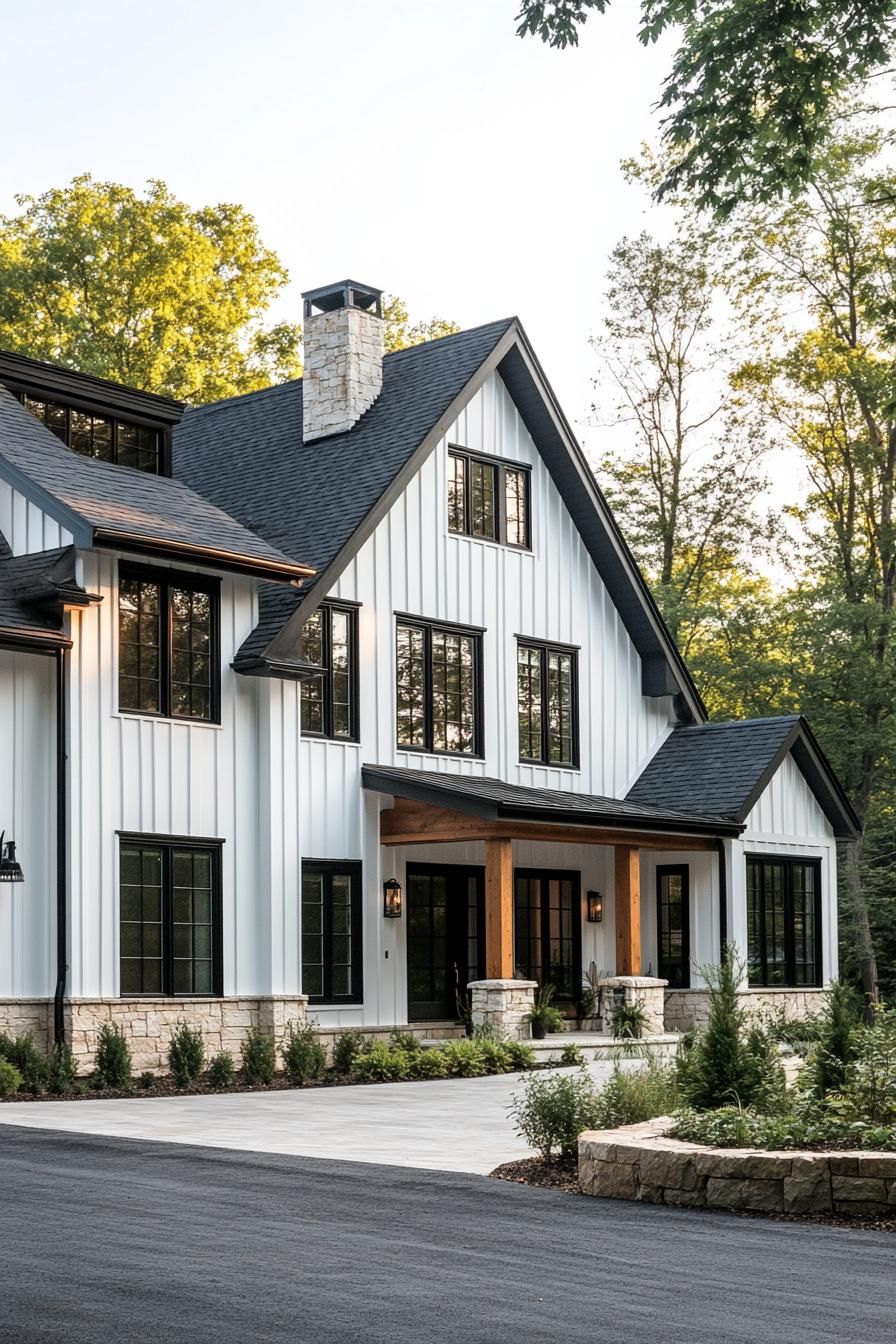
(62, 1071)
(30, 1062)
(147, 1080)
(304, 1057)
(429, 1063)
(632, 1095)
(186, 1054)
(348, 1045)
(406, 1041)
(382, 1063)
(835, 1041)
(868, 1094)
(628, 1021)
(5, 1045)
(259, 1055)
(520, 1055)
(543, 1013)
(10, 1078)
(112, 1062)
(552, 1111)
(571, 1057)
(495, 1056)
(729, 1062)
(220, 1071)
(465, 1059)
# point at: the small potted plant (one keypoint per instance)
(629, 1021)
(544, 1017)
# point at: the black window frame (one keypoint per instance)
(682, 870)
(169, 845)
(166, 579)
(544, 876)
(330, 868)
(350, 610)
(160, 448)
(428, 628)
(545, 648)
(788, 863)
(500, 467)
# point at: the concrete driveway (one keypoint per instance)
(458, 1124)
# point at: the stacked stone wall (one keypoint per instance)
(504, 1005)
(688, 1008)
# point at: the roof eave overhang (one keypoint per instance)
(16, 640)
(284, 669)
(271, 571)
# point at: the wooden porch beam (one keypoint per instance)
(498, 910)
(628, 910)
(410, 823)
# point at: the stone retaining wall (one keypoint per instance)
(688, 1008)
(642, 1162)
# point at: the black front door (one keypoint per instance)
(547, 925)
(445, 937)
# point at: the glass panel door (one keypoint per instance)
(547, 929)
(445, 943)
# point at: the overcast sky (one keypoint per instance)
(416, 145)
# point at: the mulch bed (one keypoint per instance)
(563, 1175)
(163, 1087)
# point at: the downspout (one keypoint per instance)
(61, 847)
(723, 899)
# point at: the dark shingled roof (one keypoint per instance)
(100, 501)
(308, 499)
(28, 586)
(494, 799)
(724, 768)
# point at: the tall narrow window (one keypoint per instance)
(783, 921)
(170, 917)
(673, 925)
(331, 932)
(437, 688)
(329, 701)
(168, 660)
(488, 499)
(547, 693)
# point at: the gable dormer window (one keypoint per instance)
(100, 436)
(488, 499)
(329, 701)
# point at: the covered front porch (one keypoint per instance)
(506, 884)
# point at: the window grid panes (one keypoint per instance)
(167, 647)
(546, 930)
(328, 701)
(168, 919)
(488, 499)
(546, 704)
(673, 944)
(99, 436)
(437, 693)
(783, 899)
(331, 932)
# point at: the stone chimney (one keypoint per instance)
(343, 357)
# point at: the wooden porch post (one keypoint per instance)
(498, 910)
(628, 910)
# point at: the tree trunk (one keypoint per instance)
(861, 925)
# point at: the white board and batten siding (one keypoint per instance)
(413, 565)
(26, 527)
(787, 821)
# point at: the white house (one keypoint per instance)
(263, 660)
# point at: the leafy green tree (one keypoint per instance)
(145, 290)
(754, 88)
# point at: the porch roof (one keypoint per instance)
(495, 800)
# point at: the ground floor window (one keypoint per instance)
(783, 921)
(547, 929)
(673, 925)
(170, 917)
(331, 932)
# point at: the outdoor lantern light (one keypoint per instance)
(392, 899)
(10, 868)
(595, 907)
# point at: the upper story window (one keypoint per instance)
(488, 499)
(99, 436)
(437, 675)
(329, 702)
(783, 921)
(547, 696)
(168, 658)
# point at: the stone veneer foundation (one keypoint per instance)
(19, 1017)
(641, 989)
(503, 1004)
(641, 1162)
(688, 1008)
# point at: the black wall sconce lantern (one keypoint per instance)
(595, 907)
(392, 899)
(10, 868)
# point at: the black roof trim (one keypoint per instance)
(284, 669)
(34, 376)
(496, 800)
(230, 562)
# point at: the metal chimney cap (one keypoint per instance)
(343, 294)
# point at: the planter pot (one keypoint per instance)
(538, 1031)
(468, 1029)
